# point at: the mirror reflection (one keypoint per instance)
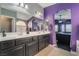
(8, 24)
(35, 24)
(5, 24)
(20, 26)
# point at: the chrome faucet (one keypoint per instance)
(3, 33)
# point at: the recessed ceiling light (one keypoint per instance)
(26, 6)
(17, 4)
(22, 4)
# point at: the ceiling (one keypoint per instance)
(33, 10)
(46, 4)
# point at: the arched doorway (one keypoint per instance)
(63, 28)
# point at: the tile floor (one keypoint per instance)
(54, 51)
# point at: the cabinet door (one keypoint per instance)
(23, 40)
(41, 45)
(7, 44)
(40, 37)
(67, 40)
(47, 39)
(32, 48)
(41, 42)
(59, 38)
(16, 51)
(35, 38)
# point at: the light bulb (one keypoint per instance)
(26, 6)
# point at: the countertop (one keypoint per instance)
(63, 33)
(12, 36)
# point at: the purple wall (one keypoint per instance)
(49, 14)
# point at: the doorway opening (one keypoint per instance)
(63, 28)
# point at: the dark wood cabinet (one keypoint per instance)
(27, 46)
(23, 40)
(32, 48)
(41, 45)
(7, 44)
(63, 41)
(41, 42)
(47, 39)
(15, 51)
(35, 38)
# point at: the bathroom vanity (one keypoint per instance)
(25, 44)
(63, 40)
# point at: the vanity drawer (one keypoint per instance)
(23, 40)
(46, 36)
(41, 37)
(35, 38)
(15, 51)
(7, 44)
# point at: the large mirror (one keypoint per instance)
(10, 24)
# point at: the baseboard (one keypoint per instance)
(54, 45)
(73, 52)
